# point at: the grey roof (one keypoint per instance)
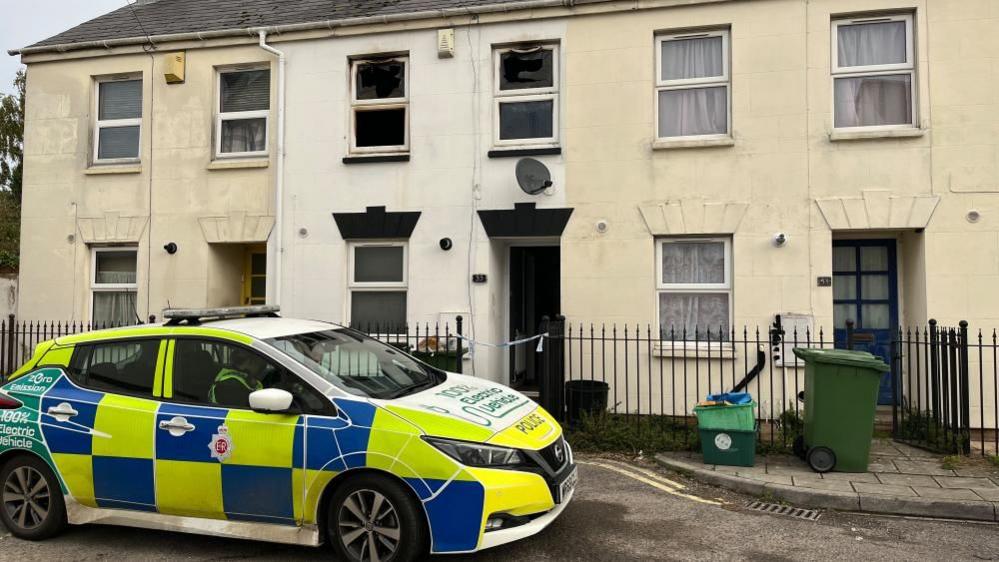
(163, 17)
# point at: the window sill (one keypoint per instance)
(519, 152)
(106, 169)
(375, 158)
(691, 350)
(837, 136)
(662, 144)
(238, 164)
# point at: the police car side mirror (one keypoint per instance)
(271, 400)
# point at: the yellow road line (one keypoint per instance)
(653, 483)
(648, 473)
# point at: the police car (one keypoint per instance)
(239, 423)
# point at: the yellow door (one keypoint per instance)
(254, 276)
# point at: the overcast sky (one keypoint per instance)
(23, 22)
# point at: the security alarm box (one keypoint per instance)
(445, 43)
(174, 71)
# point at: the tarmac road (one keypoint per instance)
(621, 511)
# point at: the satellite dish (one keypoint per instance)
(533, 176)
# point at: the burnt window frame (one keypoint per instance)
(548, 93)
(358, 105)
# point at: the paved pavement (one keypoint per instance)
(901, 480)
(622, 511)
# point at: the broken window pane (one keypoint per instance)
(245, 91)
(522, 70)
(381, 80)
(380, 127)
(526, 120)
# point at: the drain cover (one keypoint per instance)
(786, 510)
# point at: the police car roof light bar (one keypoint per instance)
(194, 316)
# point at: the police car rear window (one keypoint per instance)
(122, 367)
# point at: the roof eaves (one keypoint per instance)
(304, 26)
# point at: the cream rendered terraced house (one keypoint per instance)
(682, 136)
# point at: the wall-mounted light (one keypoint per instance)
(780, 239)
(446, 244)
(170, 248)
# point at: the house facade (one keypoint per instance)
(713, 163)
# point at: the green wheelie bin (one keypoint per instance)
(841, 394)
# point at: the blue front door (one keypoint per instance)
(865, 290)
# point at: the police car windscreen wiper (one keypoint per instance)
(413, 388)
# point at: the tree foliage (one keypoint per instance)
(11, 171)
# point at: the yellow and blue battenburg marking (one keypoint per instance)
(133, 453)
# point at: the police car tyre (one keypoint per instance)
(32, 504)
(375, 514)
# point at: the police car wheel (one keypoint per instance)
(373, 518)
(32, 506)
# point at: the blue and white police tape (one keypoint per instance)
(472, 343)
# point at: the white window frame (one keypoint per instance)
(357, 105)
(691, 83)
(908, 67)
(109, 123)
(96, 287)
(239, 115)
(376, 286)
(526, 95)
(680, 288)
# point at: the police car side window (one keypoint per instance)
(216, 373)
(120, 367)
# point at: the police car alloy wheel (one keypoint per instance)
(373, 519)
(32, 503)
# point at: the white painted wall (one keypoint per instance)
(448, 177)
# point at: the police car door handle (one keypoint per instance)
(62, 412)
(177, 426)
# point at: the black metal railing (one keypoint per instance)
(18, 339)
(664, 373)
(945, 380)
(947, 384)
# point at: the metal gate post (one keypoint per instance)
(965, 397)
(556, 340)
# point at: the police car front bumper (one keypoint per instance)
(535, 526)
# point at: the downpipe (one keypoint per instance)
(279, 181)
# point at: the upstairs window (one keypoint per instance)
(378, 287)
(693, 85)
(694, 288)
(380, 105)
(526, 95)
(113, 286)
(873, 72)
(119, 120)
(244, 101)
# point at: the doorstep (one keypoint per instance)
(929, 490)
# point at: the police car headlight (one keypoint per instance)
(478, 454)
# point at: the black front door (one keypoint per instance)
(534, 293)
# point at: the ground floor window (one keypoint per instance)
(113, 286)
(694, 288)
(378, 286)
